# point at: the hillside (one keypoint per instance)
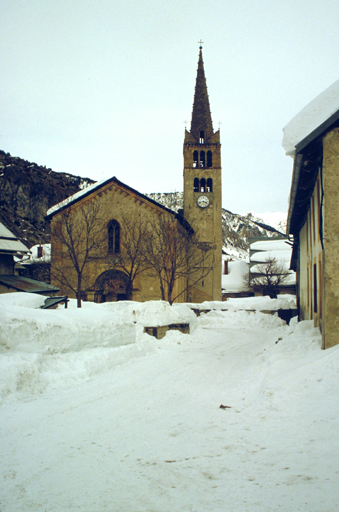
(236, 228)
(28, 190)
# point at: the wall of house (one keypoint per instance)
(310, 268)
(116, 203)
(331, 239)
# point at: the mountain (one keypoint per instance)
(236, 228)
(28, 190)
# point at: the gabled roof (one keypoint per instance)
(99, 184)
(9, 243)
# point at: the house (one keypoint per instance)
(269, 263)
(312, 139)
(124, 212)
(37, 264)
(11, 248)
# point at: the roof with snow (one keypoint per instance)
(9, 243)
(312, 120)
(301, 137)
(99, 184)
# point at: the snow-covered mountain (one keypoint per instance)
(236, 228)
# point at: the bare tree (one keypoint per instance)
(173, 253)
(269, 276)
(131, 258)
(77, 235)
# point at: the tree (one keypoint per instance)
(172, 252)
(269, 276)
(77, 234)
(131, 257)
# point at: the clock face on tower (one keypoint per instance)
(203, 201)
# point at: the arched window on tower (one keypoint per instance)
(202, 137)
(202, 185)
(195, 158)
(209, 158)
(196, 185)
(113, 229)
(202, 158)
(209, 185)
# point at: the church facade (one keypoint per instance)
(121, 213)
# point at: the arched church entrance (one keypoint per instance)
(111, 286)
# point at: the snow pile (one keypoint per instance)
(284, 301)
(242, 415)
(44, 349)
(311, 117)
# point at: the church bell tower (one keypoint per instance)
(202, 188)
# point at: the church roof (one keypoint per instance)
(99, 184)
(201, 114)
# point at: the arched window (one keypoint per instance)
(202, 185)
(113, 229)
(209, 185)
(196, 184)
(209, 158)
(202, 137)
(195, 158)
(202, 158)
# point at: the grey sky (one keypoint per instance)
(102, 88)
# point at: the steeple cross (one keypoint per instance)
(200, 42)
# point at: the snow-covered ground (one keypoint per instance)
(95, 415)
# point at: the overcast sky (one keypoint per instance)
(102, 88)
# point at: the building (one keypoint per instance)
(11, 249)
(123, 212)
(312, 139)
(269, 264)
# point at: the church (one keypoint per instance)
(104, 266)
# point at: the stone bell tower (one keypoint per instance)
(202, 188)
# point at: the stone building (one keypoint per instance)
(120, 206)
(312, 139)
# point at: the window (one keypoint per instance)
(196, 184)
(195, 158)
(315, 290)
(202, 185)
(113, 236)
(202, 137)
(202, 158)
(209, 158)
(209, 185)
(40, 251)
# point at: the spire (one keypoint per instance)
(201, 114)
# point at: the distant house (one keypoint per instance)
(37, 264)
(11, 248)
(267, 249)
(234, 278)
(312, 139)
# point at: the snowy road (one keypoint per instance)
(148, 434)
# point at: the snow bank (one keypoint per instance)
(285, 301)
(42, 349)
